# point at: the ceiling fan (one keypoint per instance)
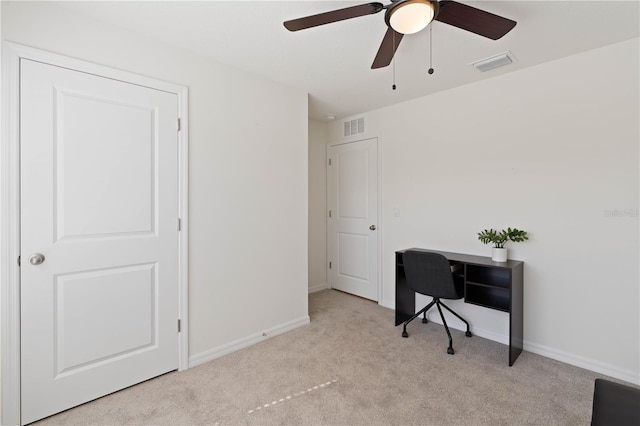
(410, 16)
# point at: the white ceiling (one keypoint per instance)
(332, 62)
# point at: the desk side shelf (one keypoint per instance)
(487, 296)
(489, 287)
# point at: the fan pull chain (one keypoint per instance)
(393, 46)
(394, 75)
(430, 49)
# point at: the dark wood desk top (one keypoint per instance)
(471, 259)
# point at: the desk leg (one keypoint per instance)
(405, 297)
(516, 335)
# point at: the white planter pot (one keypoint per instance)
(499, 254)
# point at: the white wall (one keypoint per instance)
(248, 175)
(1, 236)
(317, 205)
(552, 149)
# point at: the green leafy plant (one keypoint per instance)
(500, 238)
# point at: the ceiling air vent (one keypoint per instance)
(492, 62)
(353, 127)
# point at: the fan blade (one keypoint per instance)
(333, 16)
(475, 20)
(387, 49)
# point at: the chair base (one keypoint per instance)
(436, 301)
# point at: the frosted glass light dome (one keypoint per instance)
(411, 16)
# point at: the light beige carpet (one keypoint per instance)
(351, 366)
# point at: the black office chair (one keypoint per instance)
(430, 274)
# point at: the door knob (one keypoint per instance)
(372, 227)
(36, 259)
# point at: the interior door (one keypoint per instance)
(353, 221)
(99, 236)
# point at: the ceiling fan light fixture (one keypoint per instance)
(411, 16)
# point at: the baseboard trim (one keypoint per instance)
(589, 364)
(477, 331)
(385, 304)
(547, 352)
(217, 352)
(318, 287)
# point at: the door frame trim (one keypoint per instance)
(12, 53)
(359, 138)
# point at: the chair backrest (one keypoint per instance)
(430, 274)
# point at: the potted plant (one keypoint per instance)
(499, 239)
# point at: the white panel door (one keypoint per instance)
(353, 203)
(99, 208)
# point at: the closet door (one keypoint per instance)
(99, 236)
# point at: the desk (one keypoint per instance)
(493, 285)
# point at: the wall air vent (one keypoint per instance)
(493, 62)
(353, 127)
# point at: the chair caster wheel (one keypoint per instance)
(450, 351)
(468, 334)
(424, 320)
(405, 334)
